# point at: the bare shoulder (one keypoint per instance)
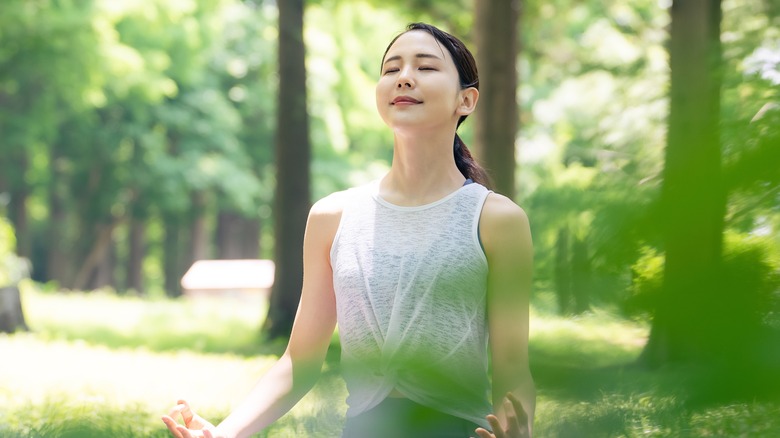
(331, 205)
(503, 223)
(500, 211)
(325, 215)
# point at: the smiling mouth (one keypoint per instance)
(403, 100)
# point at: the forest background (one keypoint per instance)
(137, 137)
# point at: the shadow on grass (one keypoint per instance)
(587, 389)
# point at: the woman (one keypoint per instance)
(417, 269)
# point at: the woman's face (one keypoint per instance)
(419, 86)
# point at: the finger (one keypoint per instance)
(512, 424)
(172, 426)
(483, 433)
(509, 411)
(199, 422)
(207, 433)
(496, 425)
(185, 433)
(522, 416)
(178, 412)
(186, 412)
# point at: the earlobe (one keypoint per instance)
(468, 101)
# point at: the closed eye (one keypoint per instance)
(390, 70)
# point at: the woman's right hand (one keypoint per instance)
(194, 426)
(516, 421)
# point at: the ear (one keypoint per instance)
(468, 101)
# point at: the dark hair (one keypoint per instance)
(469, 77)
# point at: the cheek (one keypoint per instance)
(384, 90)
(381, 99)
(383, 85)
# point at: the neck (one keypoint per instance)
(423, 168)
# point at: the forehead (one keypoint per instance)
(414, 42)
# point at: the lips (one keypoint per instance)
(404, 100)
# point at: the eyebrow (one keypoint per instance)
(419, 55)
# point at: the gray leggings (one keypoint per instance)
(403, 418)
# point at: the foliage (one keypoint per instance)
(593, 133)
(751, 117)
(750, 271)
(647, 282)
(163, 112)
(592, 138)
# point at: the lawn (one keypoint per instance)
(98, 365)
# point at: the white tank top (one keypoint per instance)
(411, 286)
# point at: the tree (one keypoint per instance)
(47, 64)
(293, 156)
(12, 269)
(691, 321)
(497, 117)
(562, 271)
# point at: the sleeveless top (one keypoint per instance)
(411, 287)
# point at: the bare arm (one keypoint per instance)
(298, 369)
(506, 237)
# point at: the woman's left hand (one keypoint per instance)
(194, 425)
(516, 421)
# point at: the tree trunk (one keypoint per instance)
(497, 117)
(104, 271)
(237, 237)
(199, 234)
(11, 315)
(97, 254)
(293, 155)
(581, 275)
(562, 271)
(135, 259)
(172, 264)
(59, 265)
(691, 321)
(18, 213)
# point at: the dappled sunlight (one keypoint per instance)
(61, 384)
(75, 372)
(611, 414)
(739, 419)
(74, 379)
(594, 339)
(139, 136)
(95, 355)
(203, 324)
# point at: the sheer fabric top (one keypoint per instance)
(411, 286)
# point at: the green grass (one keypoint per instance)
(204, 325)
(97, 365)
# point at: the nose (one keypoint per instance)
(405, 79)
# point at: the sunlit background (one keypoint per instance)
(140, 136)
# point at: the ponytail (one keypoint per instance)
(467, 165)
